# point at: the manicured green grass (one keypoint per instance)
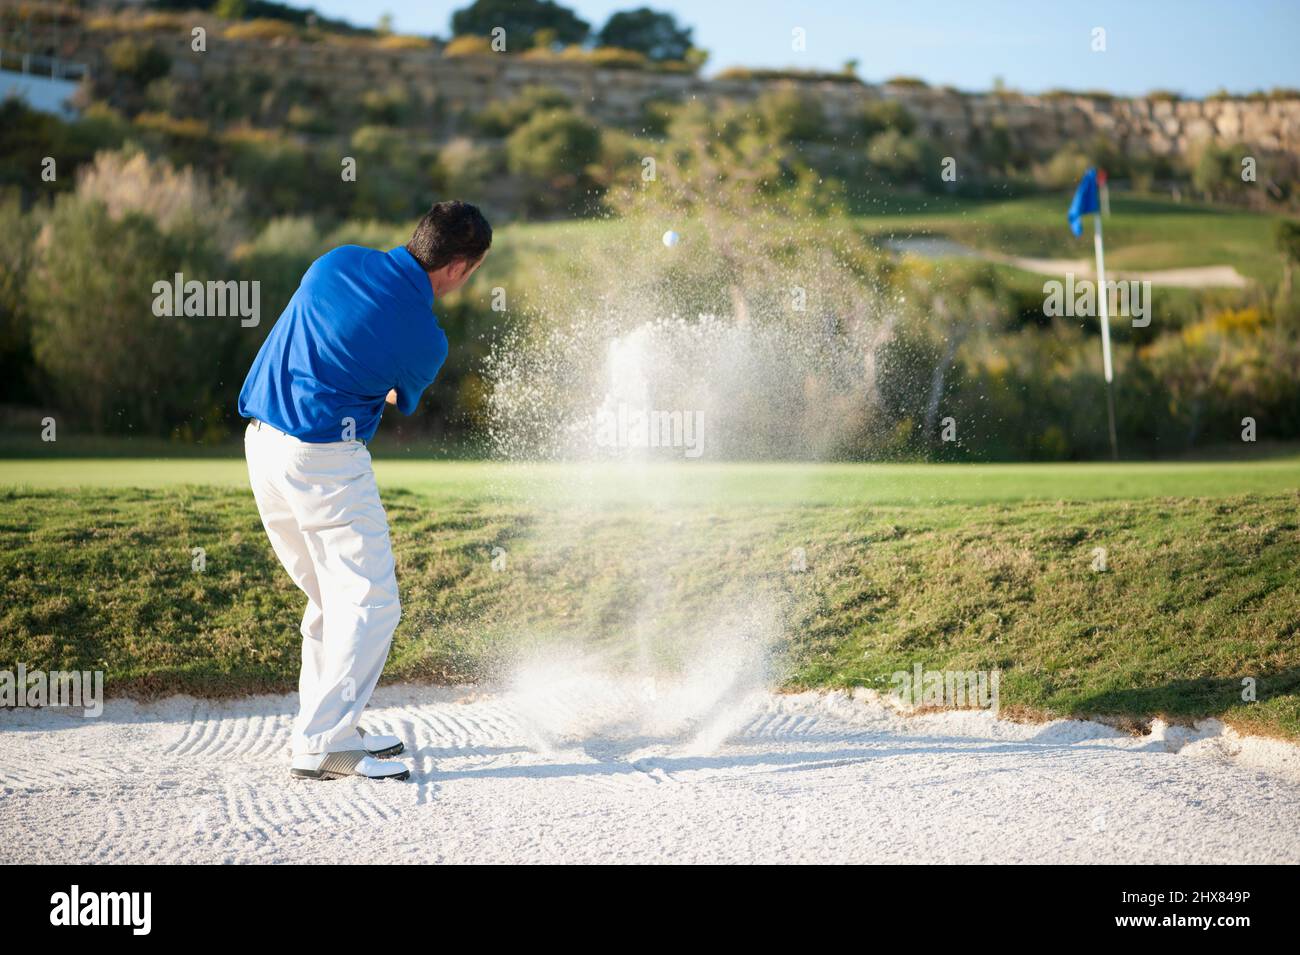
(1141, 234)
(963, 568)
(707, 484)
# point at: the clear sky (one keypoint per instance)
(1191, 46)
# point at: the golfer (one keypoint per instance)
(358, 333)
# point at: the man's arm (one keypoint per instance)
(415, 376)
(392, 396)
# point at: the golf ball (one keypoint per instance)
(671, 238)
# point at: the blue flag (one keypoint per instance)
(1086, 200)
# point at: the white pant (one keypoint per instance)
(320, 507)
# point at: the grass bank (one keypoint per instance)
(707, 484)
(1199, 592)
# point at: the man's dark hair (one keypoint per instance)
(450, 231)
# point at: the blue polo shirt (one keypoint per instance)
(360, 323)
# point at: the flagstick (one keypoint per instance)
(1103, 299)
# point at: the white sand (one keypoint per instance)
(1205, 276)
(591, 769)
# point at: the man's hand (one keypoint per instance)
(392, 396)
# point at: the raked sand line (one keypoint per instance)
(601, 769)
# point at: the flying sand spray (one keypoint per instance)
(784, 383)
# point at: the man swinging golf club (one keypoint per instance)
(358, 333)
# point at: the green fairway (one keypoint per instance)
(708, 484)
(857, 571)
(1141, 234)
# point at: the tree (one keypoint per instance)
(18, 233)
(26, 138)
(140, 62)
(503, 116)
(880, 115)
(1215, 170)
(521, 19)
(231, 9)
(1287, 237)
(116, 366)
(792, 116)
(554, 149)
(901, 159)
(647, 31)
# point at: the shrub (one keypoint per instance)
(117, 365)
(100, 128)
(283, 170)
(160, 22)
(467, 46)
(388, 107)
(64, 14)
(911, 82)
(17, 249)
(554, 145)
(901, 159)
(1215, 170)
(656, 114)
(141, 62)
(396, 174)
(175, 200)
(1064, 169)
(463, 166)
(1286, 236)
(403, 42)
(176, 126)
(501, 117)
(806, 76)
(182, 140)
(555, 152)
(305, 119)
(263, 29)
(277, 257)
(792, 115)
(879, 115)
(27, 136)
(607, 57)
